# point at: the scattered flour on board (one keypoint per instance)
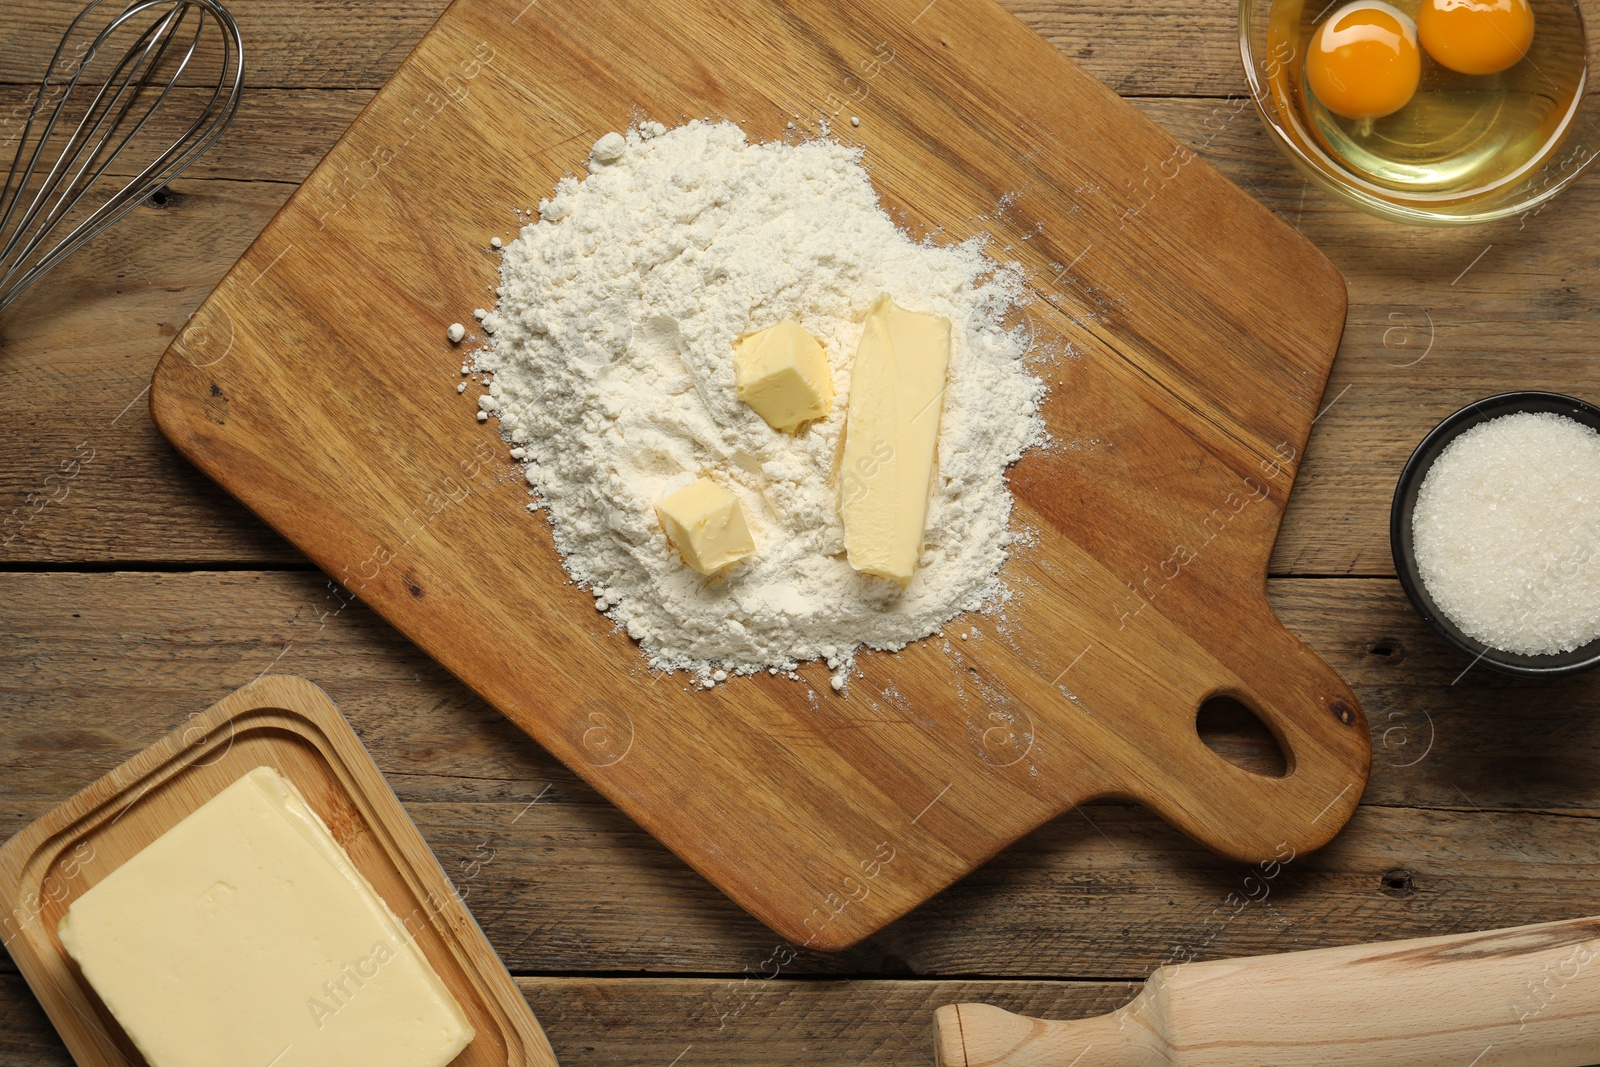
(611, 355)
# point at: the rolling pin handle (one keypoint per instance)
(981, 1035)
(1528, 996)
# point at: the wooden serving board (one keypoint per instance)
(316, 385)
(290, 725)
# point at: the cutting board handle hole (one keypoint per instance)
(1233, 731)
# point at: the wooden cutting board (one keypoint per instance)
(317, 386)
(290, 725)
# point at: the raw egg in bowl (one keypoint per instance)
(1428, 111)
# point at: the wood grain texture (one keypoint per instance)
(110, 651)
(1168, 47)
(288, 724)
(315, 43)
(1479, 812)
(754, 1019)
(1416, 347)
(1204, 409)
(278, 136)
(1459, 830)
(714, 1022)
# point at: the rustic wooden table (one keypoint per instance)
(133, 593)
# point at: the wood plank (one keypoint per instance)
(125, 655)
(26, 1037)
(739, 1021)
(775, 1021)
(78, 349)
(1168, 47)
(94, 667)
(1161, 49)
(325, 44)
(84, 474)
(1106, 891)
(278, 135)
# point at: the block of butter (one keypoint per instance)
(782, 373)
(706, 525)
(243, 935)
(891, 435)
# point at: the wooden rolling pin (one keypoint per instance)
(1523, 997)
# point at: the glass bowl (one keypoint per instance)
(1270, 50)
(1405, 561)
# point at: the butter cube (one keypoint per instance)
(782, 373)
(891, 435)
(706, 525)
(244, 935)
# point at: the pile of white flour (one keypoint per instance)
(611, 358)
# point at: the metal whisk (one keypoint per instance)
(80, 125)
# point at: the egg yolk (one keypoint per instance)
(1476, 36)
(1364, 62)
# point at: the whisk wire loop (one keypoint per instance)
(139, 85)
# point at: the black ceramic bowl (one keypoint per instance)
(1405, 562)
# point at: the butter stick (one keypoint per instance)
(891, 436)
(244, 935)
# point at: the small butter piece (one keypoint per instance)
(706, 525)
(891, 434)
(782, 373)
(244, 935)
